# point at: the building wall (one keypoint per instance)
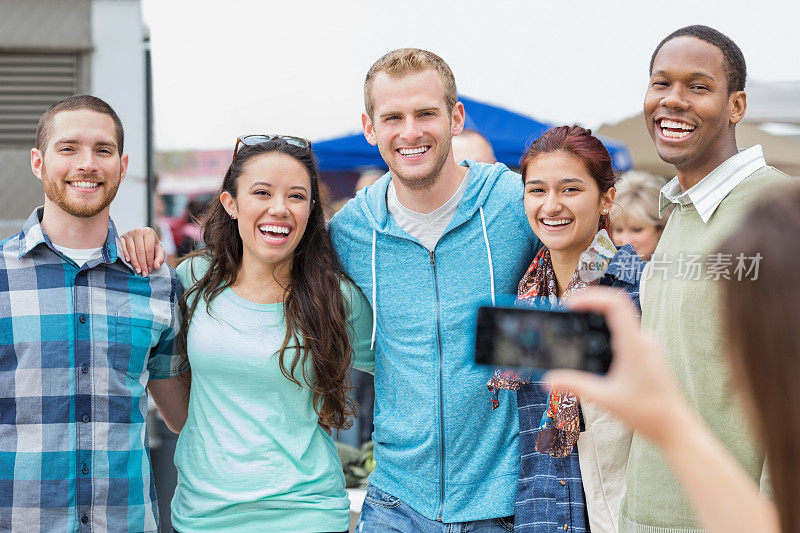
(37, 26)
(55, 25)
(104, 38)
(118, 77)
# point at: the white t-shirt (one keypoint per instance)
(427, 228)
(80, 255)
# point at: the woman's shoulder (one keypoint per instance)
(193, 268)
(626, 265)
(352, 294)
(625, 272)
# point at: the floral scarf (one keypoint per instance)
(560, 426)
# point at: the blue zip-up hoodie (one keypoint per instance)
(439, 447)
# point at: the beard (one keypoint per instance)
(57, 191)
(428, 180)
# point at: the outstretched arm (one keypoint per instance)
(641, 391)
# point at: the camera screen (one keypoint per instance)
(531, 338)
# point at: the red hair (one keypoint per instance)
(579, 142)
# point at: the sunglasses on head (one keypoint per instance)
(252, 140)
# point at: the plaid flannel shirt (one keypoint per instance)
(550, 491)
(77, 347)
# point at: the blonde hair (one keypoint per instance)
(406, 61)
(637, 198)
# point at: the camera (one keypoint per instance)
(528, 338)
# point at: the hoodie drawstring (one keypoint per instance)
(488, 253)
(374, 294)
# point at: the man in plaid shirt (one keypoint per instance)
(81, 337)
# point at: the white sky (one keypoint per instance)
(297, 67)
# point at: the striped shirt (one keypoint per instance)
(77, 348)
(709, 192)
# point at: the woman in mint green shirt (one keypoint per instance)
(254, 454)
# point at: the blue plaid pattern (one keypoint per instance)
(550, 490)
(77, 347)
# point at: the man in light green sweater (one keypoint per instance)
(693, 102)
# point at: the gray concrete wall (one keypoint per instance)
(37, 26)
(52, 25)
(21, 190)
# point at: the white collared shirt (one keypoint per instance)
(709, 192)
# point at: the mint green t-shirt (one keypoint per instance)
(252, 456)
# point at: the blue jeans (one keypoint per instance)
(383, 513)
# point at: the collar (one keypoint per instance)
(709, 192)
(33, 235)
(481, 179)
(626, 265)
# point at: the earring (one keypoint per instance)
(605, 211)
(233, 217)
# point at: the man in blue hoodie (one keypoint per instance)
(426, 244)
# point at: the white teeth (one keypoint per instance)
(559, 222)
(677, 130)
(674, 134)
(413, 151)
(84, 184)
(676, 125)
(274, 229)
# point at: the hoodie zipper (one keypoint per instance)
(441, 391)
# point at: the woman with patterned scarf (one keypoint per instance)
(569, 190)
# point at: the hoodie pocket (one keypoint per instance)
(385, 405)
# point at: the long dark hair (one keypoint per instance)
(579, 142)
(760, 313)
(314, 308)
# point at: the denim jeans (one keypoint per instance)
(383, 513)
(175, 531)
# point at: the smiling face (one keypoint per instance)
(643, 236)
(687, 108)
(272, 206)
(412, 127)
(81, 167)
(563, 201)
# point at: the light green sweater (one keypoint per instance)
(685, 315)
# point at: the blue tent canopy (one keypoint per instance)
(509, 134)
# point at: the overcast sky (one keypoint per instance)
(224, 68)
